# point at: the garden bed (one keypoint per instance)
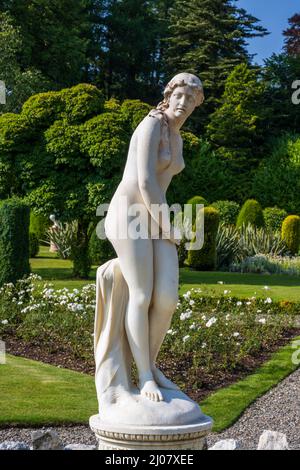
(178, 370)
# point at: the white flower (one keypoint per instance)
(203, 345)
(236, 334)
(266, 288)
(221, 334)
(259, 311)
(185, 315)
(4, 322)
(187, 295)
(169, 332)
(203, 317)
(248, 303)
(227, 316)
(227, 292)
(268, 300)
(192, 302)
(193, 326)
(185, 338)
(239, 303)
(262, 321)
(220, 282)
(211, 322)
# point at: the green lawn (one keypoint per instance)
(59, 272)
(33, 393)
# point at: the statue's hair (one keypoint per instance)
(182, 79)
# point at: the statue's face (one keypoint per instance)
(182, 102)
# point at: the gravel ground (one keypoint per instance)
(68, 434)
(278, 410)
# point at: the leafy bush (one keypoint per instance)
(277, 180)
(228, 210)
(33, 244)
(251, 213)
(206, 257)
(274, 217)
(100, 251)
(268, 264)
(14, 240)
(134, 112)
(291, 233)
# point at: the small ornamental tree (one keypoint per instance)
(205, 259)
(290, 233)
(251, 213)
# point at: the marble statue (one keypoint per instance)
(137, 292)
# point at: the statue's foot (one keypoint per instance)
(162, 380)
(149, 388)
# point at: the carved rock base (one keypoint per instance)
(187, 437)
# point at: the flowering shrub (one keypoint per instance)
(216, 332)
(221, 332)
(58, 319)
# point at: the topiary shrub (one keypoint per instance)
(100, 251)
(205, 259)
(39, 225)
(274, 218)
(14, 240)
(194, 201)
(251, 213)
(134, 112)
(290, 233)
(33, 244)
(228, 210)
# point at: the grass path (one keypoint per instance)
(33, 393)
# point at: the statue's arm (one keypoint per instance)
(147, 155)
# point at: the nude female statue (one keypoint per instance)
(150, 265)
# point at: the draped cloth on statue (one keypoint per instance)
(119, 400)
(112, 353)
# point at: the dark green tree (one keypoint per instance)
(236, 128)
(55, 37)
(20, 82)
(208, 38)
(127, 33)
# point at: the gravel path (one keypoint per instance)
(277, 410)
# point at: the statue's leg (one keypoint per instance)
(136, 263)
(164, 301)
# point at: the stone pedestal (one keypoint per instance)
(182, 437)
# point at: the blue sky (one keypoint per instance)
(274, 16)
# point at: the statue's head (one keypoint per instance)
(187, 82)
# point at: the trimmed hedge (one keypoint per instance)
(291, 233)
(33, 245)
(206, 258)
(251, 213)
(194, 201)
(274, 218)
(228, 210)
(14, 240)
(39, 224)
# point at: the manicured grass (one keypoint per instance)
(226, 405)
(33, 393)
(282, 287)
(59, 272)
